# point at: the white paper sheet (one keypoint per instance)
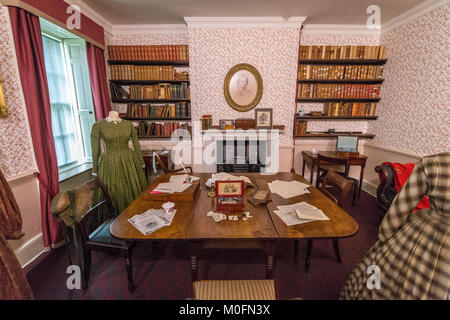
(288, 189)
(151, 220)
(224, 176)
(308, 213)
(171, 187)
(181, 178)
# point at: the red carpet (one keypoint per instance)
(167, 275)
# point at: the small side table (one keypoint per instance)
(148, 160)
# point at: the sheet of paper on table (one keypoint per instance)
(288, 189)
(151, 220)
(181, 178)
(299, 213)
(224, 176)
(171, 187)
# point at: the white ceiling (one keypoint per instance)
(129, 12)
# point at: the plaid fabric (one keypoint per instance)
(413, 249)
(234, 290)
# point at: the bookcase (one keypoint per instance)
(153, 82)
(345, 79)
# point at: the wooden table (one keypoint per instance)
(340, 225)
(191, 223)
(310, 160)
(256, 233)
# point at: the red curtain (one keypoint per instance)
(99, 84)
(30, 57)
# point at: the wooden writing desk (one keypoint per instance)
(191, 223)
(310, 160)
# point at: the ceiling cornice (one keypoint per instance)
(339, 29)
(150, 28)
(243, 22)
(412, 14)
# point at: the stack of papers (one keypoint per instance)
(288, 189)
(151, 220)
(171, 187)
(299, 213)
(181, 178)
(223, 176)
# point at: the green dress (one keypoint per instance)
(120, 167)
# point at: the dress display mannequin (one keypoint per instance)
(119, 167)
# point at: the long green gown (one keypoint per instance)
(120, 167)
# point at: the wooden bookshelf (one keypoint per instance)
(146, 82)
(177, 63)
(359, 67)
(123, 101)
(306, 117)
(188, 119)
(318, 100)
(375, 62)
(342, 81)
(326, 135)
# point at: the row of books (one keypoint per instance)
(341, 52)
(339, 72)
(149, 53)
(336, 109)
(177, 110)
(349, 91)
(160, 91)
(129, 72)
(300, 127)
(156, 129)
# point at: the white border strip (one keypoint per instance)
(350, 29)
(243, 22)
(149, 28)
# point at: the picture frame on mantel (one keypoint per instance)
(243, 87)
(263, 118)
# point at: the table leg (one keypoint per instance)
(361, 180)
(337, 252)
(194, 249)
(308, 255)
(312, 173)
(303, 168)
(270, 248)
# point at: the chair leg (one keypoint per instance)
(308, 255)
(86, 267)
(337, 252)
(355, 190)
(129, 268)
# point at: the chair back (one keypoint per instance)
(76, 207)
(166, 170)
(334, 179)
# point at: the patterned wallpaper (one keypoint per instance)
(414, 109)
(16, 150)
(272, 51)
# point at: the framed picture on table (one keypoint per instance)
(230, 195)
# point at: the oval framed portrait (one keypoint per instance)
(243, 87)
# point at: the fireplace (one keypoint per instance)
(240, 155)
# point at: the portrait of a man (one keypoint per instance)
(243, 87)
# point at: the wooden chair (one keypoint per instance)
(334, 179)
(164, 167)
(75, 209)
(329, 161)
(234, 290)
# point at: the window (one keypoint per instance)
(70, 96)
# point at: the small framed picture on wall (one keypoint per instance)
(263, 118)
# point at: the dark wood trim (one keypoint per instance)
(334, 135)
(149, 100)
(345, 61)
(144, 82)
(336, 118)
(342, 81)
(318, 100)
(177, 63)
